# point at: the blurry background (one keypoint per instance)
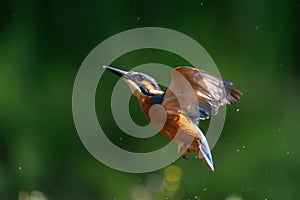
(42, 45)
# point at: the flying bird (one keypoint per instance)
(192, 95)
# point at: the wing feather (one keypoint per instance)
(198, 94)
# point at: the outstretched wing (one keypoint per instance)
(198, 94)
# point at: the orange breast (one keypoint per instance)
(175, 123)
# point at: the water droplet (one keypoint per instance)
(201, 3)
(279, 129)
(120, 138)
(238, 110)
(238, 150)
(288, 153)
(204, 189)
(244, 146)
(196, 197)
(20, 167)
(285, 117)
(256, 27)
(138, 18)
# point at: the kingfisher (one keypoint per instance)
(192, 95)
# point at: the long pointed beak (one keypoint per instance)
(118, 72)
(132, 83)
(134, 86)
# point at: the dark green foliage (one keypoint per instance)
(42, 45)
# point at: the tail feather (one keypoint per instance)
(233, 95)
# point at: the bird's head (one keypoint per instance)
(140, 84)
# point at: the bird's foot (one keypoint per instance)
(184, 156)
(183, 150)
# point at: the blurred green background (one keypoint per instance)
(42, 45)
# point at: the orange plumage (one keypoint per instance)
(192, 95)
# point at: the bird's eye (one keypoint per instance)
(140, 77)
(145, 90)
